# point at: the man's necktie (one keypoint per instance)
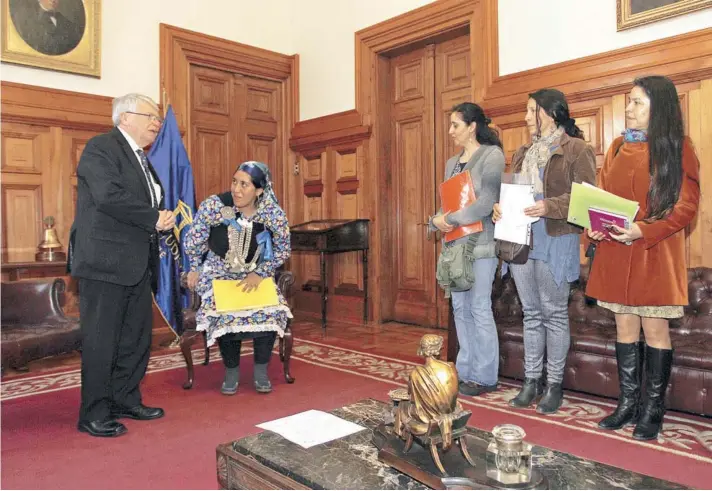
(144, 163)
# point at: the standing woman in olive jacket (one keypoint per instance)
(641, 274)
(555, 159)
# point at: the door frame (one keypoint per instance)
(373, 45)
(181, 48)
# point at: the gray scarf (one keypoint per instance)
(537, 157)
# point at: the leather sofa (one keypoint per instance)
(33, 323)
(591, 363)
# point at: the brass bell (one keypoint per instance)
(50, 249)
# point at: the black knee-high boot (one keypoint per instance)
(658, 365)
(630, 372)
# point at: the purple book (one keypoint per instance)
(601, 221)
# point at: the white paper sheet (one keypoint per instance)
(311, 428)
(513, 199)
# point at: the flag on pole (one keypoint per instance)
(170, 161)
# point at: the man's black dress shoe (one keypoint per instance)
(106, 428)
(138, 412)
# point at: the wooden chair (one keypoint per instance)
(284, 280)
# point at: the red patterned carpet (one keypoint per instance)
(41, 448)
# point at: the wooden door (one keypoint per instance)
(234, 118)
(258, 109)
(452, 86)
(413, 185)
(213, 130)
(425, 83)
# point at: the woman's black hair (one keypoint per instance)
(666, 134)
(554, 104)
(472, 113)
(257, 175)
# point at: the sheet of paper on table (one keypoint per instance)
(311, 428)
(513, 199)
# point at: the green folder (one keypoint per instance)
(585, 196)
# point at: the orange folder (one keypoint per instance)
(458, 193)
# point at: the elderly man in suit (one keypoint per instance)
(114, 253)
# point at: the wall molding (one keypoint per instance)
(31, 104)
(314, 135)
(683, 58)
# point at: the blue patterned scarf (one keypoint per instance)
(631, 136)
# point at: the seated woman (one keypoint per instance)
(240, 235)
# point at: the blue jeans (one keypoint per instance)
(478, 358)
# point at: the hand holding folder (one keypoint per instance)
(229, 296)
(585, 197)
(457, 193)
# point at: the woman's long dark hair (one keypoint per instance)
(666, 134)
(472, 113)
(554, 104)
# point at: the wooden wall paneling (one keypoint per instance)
(700, 130)
(348, 276)
(73, 143)
(43, 133)
(314, 210)
(22, 212)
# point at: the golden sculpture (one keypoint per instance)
(431, 415)
(50, 249)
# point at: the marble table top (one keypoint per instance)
(352, 462)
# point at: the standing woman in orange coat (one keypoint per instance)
(640, 273)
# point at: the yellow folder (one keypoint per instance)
(229, 296)
(585, 196)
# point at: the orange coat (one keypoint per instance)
(652, 271)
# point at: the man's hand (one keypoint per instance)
(538, 210)
(192, 279)
(441, 224)
(166, 220)
(251, 282)
(496, 213)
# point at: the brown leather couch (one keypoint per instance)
(33, 323)
(591, 363)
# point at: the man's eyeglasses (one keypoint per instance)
(150, 116)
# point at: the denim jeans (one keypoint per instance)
(546, 319)
(478, 358)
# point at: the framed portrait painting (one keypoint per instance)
(633, 13)
(63, 35)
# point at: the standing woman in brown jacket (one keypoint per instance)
(641, 273)
(556, 157)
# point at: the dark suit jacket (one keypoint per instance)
(113, 237)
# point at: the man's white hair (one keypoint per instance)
(128, 103)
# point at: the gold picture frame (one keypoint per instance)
(62, 35)
(634, 13)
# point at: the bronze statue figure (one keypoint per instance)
(432, 416)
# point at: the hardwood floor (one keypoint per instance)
(388, 339)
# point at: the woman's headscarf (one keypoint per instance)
(261, 178)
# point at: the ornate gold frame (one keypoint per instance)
(85, 59)
(627, 20)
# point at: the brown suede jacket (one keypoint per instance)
(573, 161)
